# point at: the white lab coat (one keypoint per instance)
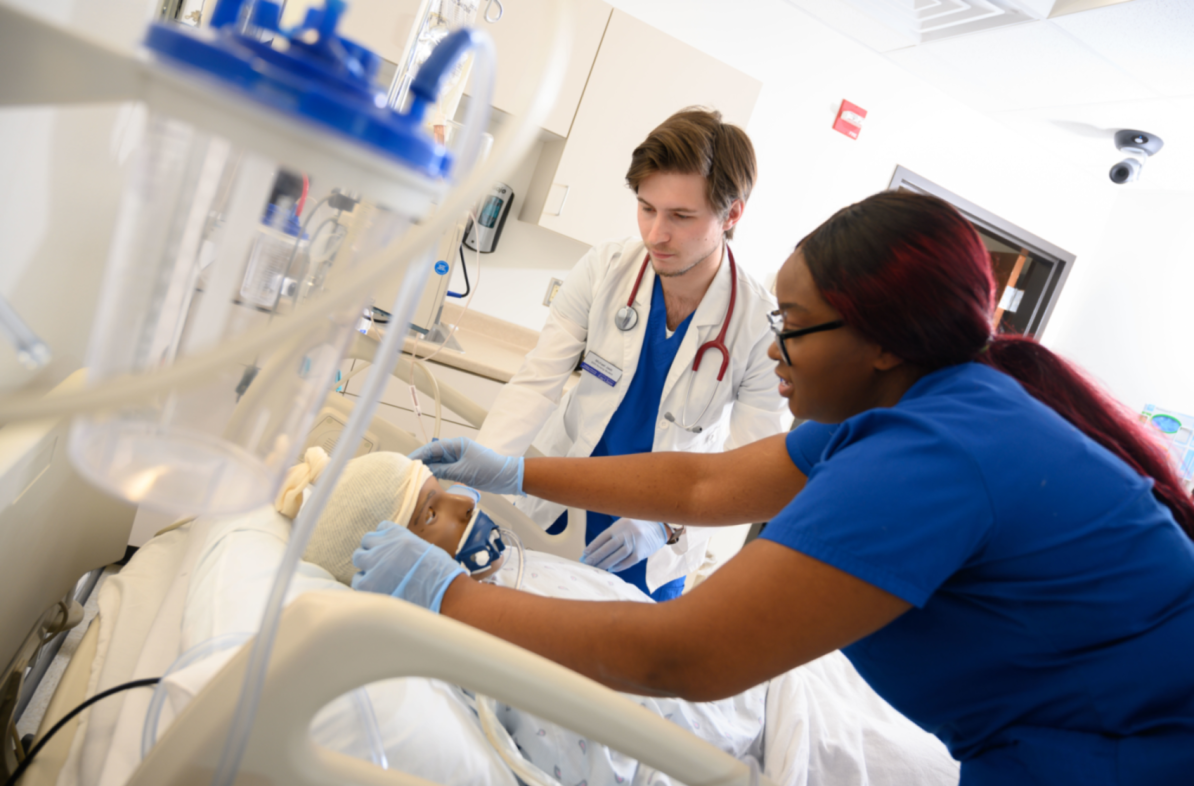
(743, 407)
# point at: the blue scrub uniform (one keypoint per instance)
(1052, 626)
(632, 427)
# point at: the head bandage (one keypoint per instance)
(373, 488)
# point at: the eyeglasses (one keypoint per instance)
(781, 336)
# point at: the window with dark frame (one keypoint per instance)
(1029, 271)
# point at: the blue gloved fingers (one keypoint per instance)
(373, 539)
(399, 563)
(603, 548)
(409, 576)
(624, 544)
(463, 461)
(440, 451)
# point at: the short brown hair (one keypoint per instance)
(695, 141)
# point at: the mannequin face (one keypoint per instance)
(441, 518)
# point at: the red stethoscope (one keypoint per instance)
(626, 318)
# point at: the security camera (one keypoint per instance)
(1139, 145)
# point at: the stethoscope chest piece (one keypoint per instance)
(626, 318)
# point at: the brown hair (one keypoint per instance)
(694, 141)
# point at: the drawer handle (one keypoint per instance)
(563, 199)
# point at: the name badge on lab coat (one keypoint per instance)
(601, 368)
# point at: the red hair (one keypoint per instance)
(911, 274)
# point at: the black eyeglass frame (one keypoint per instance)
(782, 336)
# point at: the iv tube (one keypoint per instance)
(512, 145)
(32, 352)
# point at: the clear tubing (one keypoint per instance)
(32, 352)
(505, 746)
(522, 554)
(377, 749)
(509, 151)
(149, 732)
(383, 364)
(475, 120)
(438, 402)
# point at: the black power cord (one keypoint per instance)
(467, 286)
(24, 764)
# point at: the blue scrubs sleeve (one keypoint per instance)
(807, 443)
(892, 501)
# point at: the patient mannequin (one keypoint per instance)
(374, 488)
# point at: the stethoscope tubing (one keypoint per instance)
(627, 318)
(719, 343)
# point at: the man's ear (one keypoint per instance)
(733, 215)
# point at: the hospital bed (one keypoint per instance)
(823, 725)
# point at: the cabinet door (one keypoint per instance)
(380, 25)
(518, 37)
(640, 78)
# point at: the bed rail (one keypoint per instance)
(330, 643)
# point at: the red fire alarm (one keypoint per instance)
(849, 119)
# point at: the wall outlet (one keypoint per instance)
(552, 288)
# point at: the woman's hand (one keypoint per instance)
(464, 461)
(394, 561)
(626, 543)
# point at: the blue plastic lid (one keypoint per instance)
(316, 74)
(288, 223)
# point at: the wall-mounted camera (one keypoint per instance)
(1138, 145)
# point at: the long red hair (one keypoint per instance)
(911, 274)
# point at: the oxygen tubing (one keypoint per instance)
(380, 267)
(149, 732)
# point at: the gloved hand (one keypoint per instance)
(626, 543)
(394, 561)
(464, 461)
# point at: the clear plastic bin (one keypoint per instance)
(211, 242)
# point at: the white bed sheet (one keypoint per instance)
(824, 724)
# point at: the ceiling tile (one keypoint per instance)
(1152, 40)
(1035, 64)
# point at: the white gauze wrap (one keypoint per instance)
(373, 488)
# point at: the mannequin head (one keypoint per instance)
(374, 488)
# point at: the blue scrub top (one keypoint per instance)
(631, 429)
(1053, 624)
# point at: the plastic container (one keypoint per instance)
(205, 248)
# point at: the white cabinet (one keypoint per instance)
(640, 77)
(518, 37)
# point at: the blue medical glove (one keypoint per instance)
(394, 561)
(626, 543)
(464, 461)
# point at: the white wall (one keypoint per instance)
(1115, 317)
(1127, 318)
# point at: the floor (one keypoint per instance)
(31, 719)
